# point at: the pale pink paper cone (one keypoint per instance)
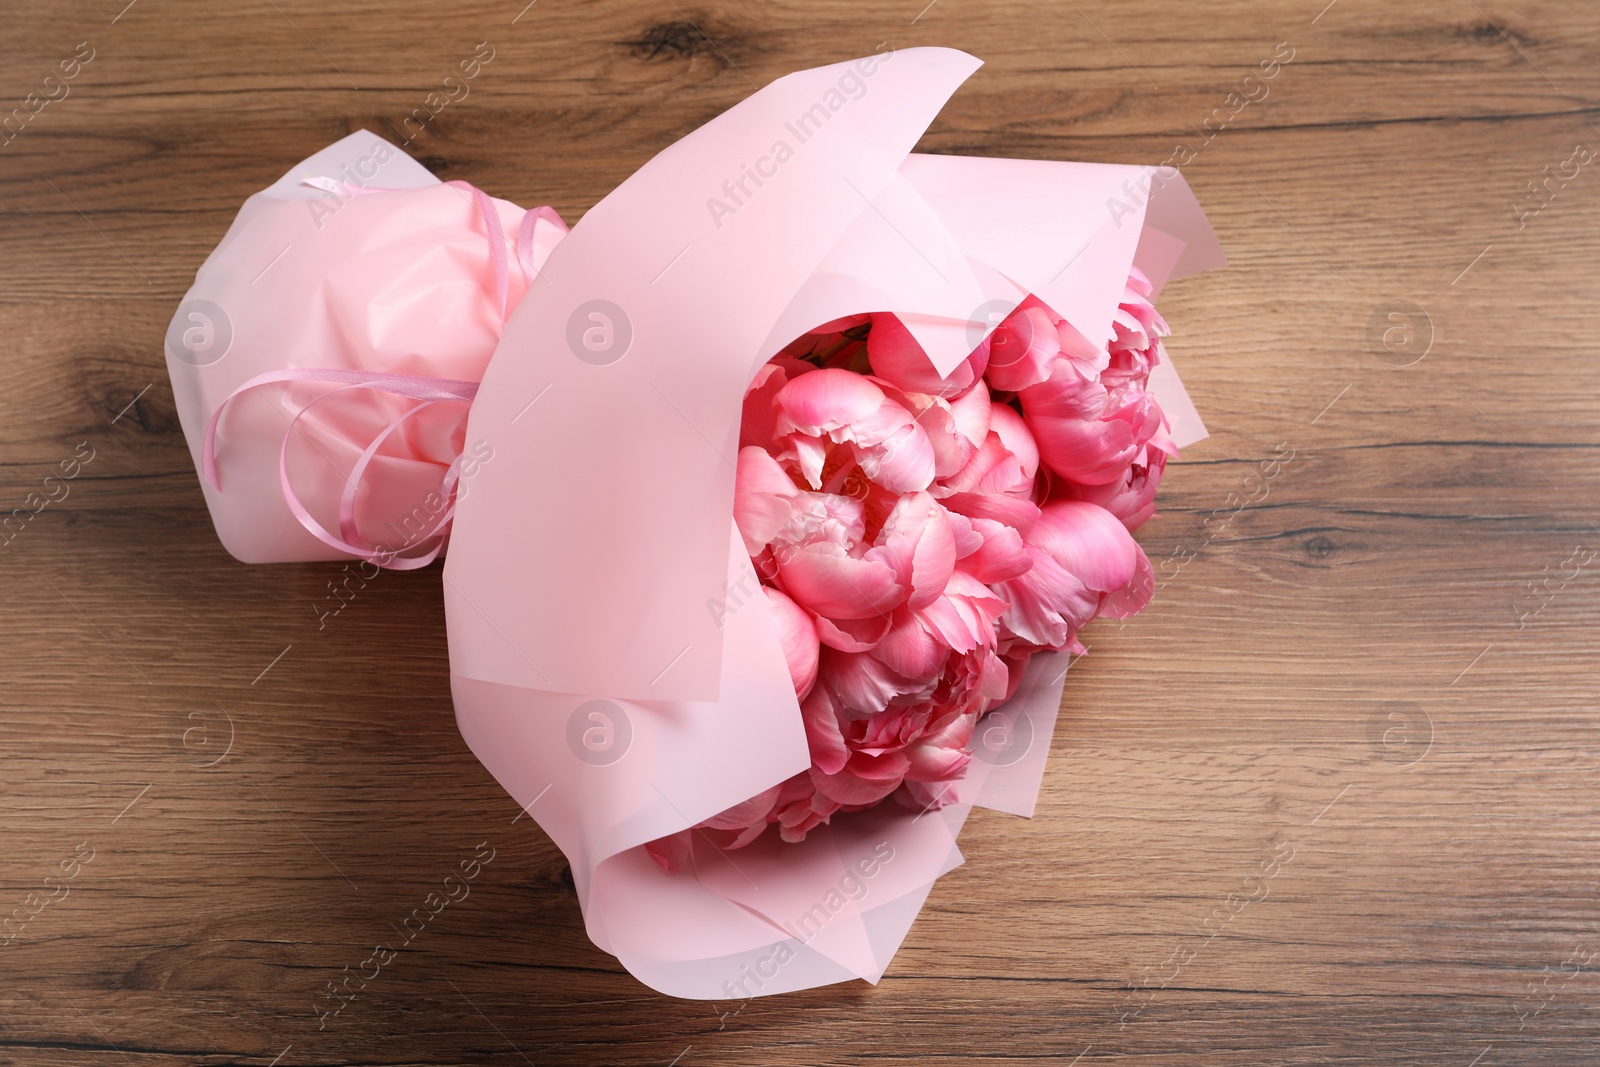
(594, 571)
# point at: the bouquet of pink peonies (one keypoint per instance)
(920, 536)
(773, 496)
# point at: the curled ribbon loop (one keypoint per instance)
(416, 387)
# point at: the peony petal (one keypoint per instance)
(968, 539)
(911, 649)
(1067, 394)
(763, 497)
(807, 453)
(964, 618)
(1085, 450)
(1015, 512)
(931, 762)
(896, 357)
(672, 852)
(1002, 555)
(1047, 605)
(798, 636)
(901, 459)
(972, 412)
(824, 401)
(919, 544)
(852, 635)
(816, 518)
(951, 449)
(1132, 499)
(1132, 598)
(1023, 348)
(823, 578)
(864, 779)
(828, 751)
(758, 421)
(1088, 542)
(1016, 438)
(859, 682)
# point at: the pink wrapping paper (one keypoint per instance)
(583, 565)
(605, 666)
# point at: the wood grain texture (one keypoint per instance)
(1345, 677)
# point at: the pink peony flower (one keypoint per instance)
(835, 414)
(1084, 559)
(920, 538)
(1092, 416)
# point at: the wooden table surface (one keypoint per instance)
(1371, 667)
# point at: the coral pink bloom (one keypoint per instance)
(1085, 432)
(904, 710)
(897, 358)
(811, 544)
(1083, 559)
(1092, 416)
(830, 409)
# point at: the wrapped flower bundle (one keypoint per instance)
(776, 493)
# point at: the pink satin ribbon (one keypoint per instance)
(417, 387)
(429, 391)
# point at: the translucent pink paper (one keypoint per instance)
(613, 662)
(399, 282)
